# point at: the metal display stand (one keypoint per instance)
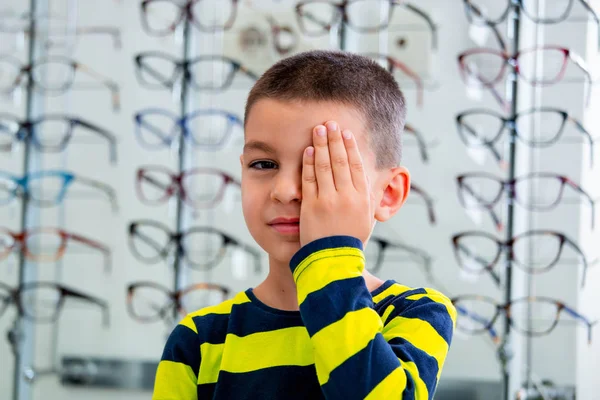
(22, 335)
(504, 351)
(184, 96)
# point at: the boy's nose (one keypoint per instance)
(287, 189)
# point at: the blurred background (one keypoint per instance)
(121, 124)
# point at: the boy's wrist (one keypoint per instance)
(326, 243)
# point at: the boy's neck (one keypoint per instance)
(278, 290)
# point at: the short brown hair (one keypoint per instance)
(346, 78)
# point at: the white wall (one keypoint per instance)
(80, 331)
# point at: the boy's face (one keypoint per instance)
(276, 135)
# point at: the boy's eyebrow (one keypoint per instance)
(258, 145)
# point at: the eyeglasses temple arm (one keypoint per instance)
(588, 7)
(474, 9)
(235, 118)
(418, 80)
(150, 242)
(5, 299)
(17, 190)
(420, 141)
(426, 17)
(490, 146)
(98, 246)
(110, 192)
(104, 133)
(490, 209)
(497, 35)
(154, 182)
(580, 62)
(582, 257)
(234, 181)
(418, 252)
(461, 126)
(152, 72)
(481, 320)
(164, 138)
(586, 195)
(482, 262)
(110, 84)
(248, 72)
(94, 300)
(312, 18)
(580, 317)
(588, 136)
(428, 201)
(505, 104)
(24, 70)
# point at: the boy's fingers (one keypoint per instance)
(309, 180)
(338, 157)
(357, 170)
(323, 172)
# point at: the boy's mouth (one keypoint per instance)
(286, 225)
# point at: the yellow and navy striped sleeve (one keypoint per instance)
(360, 354)
(177, 373)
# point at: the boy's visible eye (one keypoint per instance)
(262, 165)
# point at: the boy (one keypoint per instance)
(320, 166)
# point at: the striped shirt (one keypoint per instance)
(344, 343)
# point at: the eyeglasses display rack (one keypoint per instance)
(193, 67)
(518, 381)
(31, 292)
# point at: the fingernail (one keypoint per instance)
(347, 134)
(332, 126)
(310, 151)
(321, 131)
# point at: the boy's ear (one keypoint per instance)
(241, 160)
(396, 186)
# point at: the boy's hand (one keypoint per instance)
(336, 197)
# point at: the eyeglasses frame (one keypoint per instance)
(175, 297)
(507, 247)
(180, 67)
(506, 308)
(509, 187)
(511, 123)
(175, 239)
(27, 131)
(65, 292)
(20, 240)
(185, 12)
(182, 124)
(26, 70)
